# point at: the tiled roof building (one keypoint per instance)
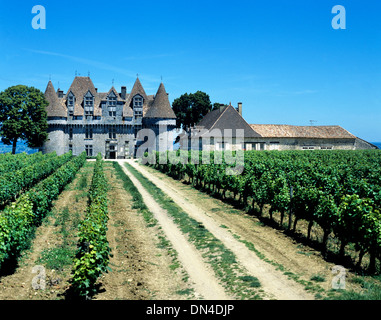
(107, 122)
(226, 129)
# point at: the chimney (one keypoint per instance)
(123, 92)
(60, 93)
(96, 89)
(239, 109)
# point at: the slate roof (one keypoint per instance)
(127, 111)
(79, 87)
(160, 107)
(226, 117)
(118, 98)
(136, 89)
(55, 107)
(290, 131)
(157, 106)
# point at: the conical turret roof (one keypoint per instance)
(161, 107)
(55, 107)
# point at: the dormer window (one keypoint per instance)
(70, 103)
(111, 104)
(138, 106)
(88, 102)
(138, 101)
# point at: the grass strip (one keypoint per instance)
(232, 276)
(137, 199)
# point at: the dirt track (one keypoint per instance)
(274, 282)
(200, 275)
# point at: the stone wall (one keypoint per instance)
(101, 141)
(56, 141)
(121, 145)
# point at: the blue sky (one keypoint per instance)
(281, 59)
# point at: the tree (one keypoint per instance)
(23, 116)
(217, 105)
(191, 108)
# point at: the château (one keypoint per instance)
(83, 119)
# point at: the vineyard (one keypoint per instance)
(93, 249)
(38, 180)
(270, 226)
(338, 191)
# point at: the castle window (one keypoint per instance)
(138, 113)
(138, 101)
(112, 133)
(70, 104)
(88, 104)
(111, 103)
(89, 133)
(70, 133)
(138, 106)
(89, 150)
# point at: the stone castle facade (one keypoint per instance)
(109, 123)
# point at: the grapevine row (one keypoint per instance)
(10, 163)
(13, 183)
(19, 220)
(93, 249)
(338, 190)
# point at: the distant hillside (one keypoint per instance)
(21, 147)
